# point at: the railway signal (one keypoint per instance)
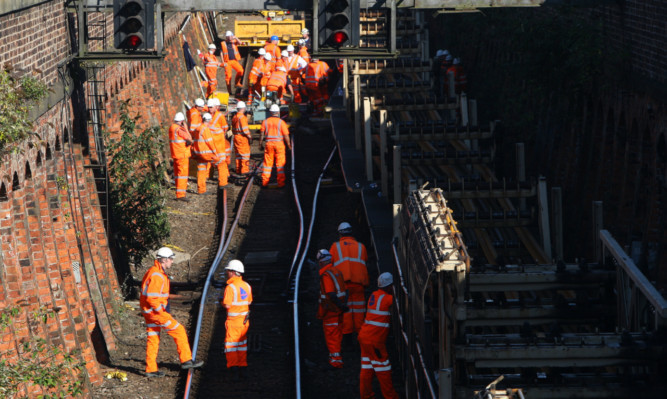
(338, 24)
(133, 24)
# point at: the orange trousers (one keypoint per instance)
(279, 92)
(242, 146)
(203, 170)
(175, 330)
(255, 91)
(212, 75)
(375, 360)
(223, 173)
(274, 149)
(233, 65)
(228, 151)
(356, 301)
(333, 335)
(181, 171)
(236, 342)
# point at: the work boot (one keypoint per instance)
(183, 199)
(154, 374)
(191, 365)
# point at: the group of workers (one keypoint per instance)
(274, 72)
(444, 65)
(343, 310)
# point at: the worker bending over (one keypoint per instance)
(317, 75)
(180, 141)
(373, 341)
(332, 305)
(242, 139)
(154, 301)
(349, 256)
(211, 65)
(232, 58)
(236, 298)
(276, 134)
(278, 83)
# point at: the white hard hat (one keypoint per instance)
(438, 53)
(207, 116)
(199, 102)
(385, 279)
(448, 57)
(261, 51)
(216, 101)
(267, 57)
(456, 61)
(281, 69)
(229, 33)
(323, 256)
(240, 105)
(235, 265)
(445, 52)
(164, 252)
(304, 31)
(211, 102)
(211, 46)
(301, 42)
(344, 228)
(274, 108)
(179, 117)
(284, 53)
(290, 47)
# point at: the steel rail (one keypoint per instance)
(222, 249)
(300, 210)
(295, 302)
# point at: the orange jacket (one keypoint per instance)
(275, 129)
(211, 65)
(218, 128)
(331, 281)
(316, 72)
(177, 137)
(378, 317)
(240, 125)
(460, 78)
(238, 296)
(349, 256)
(303, 52)
(255, 71)
(155, 293)
(194, 119)
(274, 50)
(225, 52)
(277, 79)
(204, 146)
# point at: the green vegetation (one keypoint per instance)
(38, 362)
(137, 187)
(17, 96)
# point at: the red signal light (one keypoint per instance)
(133, 41)
(339, 38)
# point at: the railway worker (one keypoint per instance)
(445, 64)
(272, 48)
(211, 65)
(437, 74)
(317, 74)
(242, 139)
(254, 78)
(460, 78)
(305, 36)
(332, 305)
(303, 50)
(350, 256)
(194, 116)
(154, 300)
(372, 340)
(296, 66)
(206, 153)
(219, 127)
(266, 69)
(232, 58)
(180, 141)
(279, 83)
(276, 134)
(236, 298)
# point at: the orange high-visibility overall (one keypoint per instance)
(180, 153)
(349, 256)
(238, 296)
(241, 142)
(218, 129)
(316, 84)
(275, 132)
(232, 62)
(296, 66)
(372, 341)
(277, 82)
(274, 50)
(153, 302)
(211, 65)
(206, 153)
(331, 281)
(194, 120)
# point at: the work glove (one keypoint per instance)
(229, 135)
(198, 52)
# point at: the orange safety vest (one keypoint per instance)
(349, 256)
(194, 119)
(210, 60)
(303, 53)
(331, 280)
(274, 129)
(177, 137)
(154, 291)
(274, 50)
(240, 125)
(277, 79)
(238, 295)
(378, 317)
(218, 128)
(204, 146)
(255, 71)
(316, 72)
(225, 52)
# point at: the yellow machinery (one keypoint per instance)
(256, 32)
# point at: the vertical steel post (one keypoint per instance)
(368, 150)
(464, 111)
(597, 226)
(82, 27)
(392, 28)
(316, 26)
(397, 175)
(357, 107)
(446, 390)
(543, 218)
(346, 94)
(557, 219)
(520, 171)
(397, 220)
(159, 20)
(384, 174)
